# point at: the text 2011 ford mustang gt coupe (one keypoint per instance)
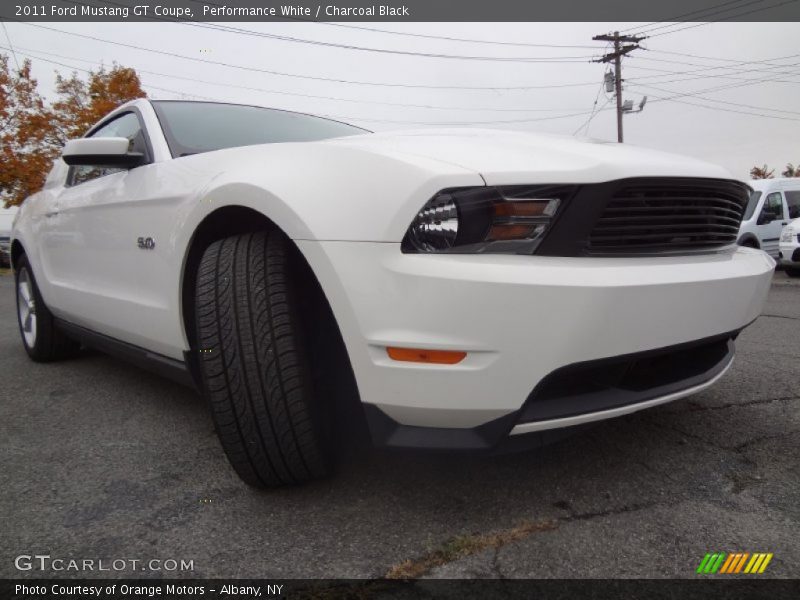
(449, 289)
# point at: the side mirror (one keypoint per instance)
(101, 152)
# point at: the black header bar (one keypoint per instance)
(400, 11)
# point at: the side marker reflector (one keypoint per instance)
(436, 357)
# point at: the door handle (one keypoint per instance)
(785, 223)
(51, 214)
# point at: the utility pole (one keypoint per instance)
(616, 56)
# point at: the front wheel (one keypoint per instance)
(254, 361)
(42, 338)
(792, 271)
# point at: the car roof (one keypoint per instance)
(781, 183)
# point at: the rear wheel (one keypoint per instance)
(254, 361)
(42, 338)
(749, 243)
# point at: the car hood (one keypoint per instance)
(507, 157)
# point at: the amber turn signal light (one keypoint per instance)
(436, 357)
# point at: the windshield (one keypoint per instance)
(751, 206)
(194, 127)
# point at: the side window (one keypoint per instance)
(793, 201)
(127, 126)
(772, 209)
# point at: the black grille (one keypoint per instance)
(669, 216)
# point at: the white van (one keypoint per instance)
(6, 224)
(773, 203)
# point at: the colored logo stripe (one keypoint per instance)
(758, 563)
(728, 563)
(740, 564)
(711, 562)
(736, 562)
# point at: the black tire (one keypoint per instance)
(750, 243)
(254, 362)
(48, 342)
(792, 271)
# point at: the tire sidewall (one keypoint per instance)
(24, 265)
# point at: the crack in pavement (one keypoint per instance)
(738, 449)
(496, 564)
(781, 317)
(694, 436)
(636, 506)
(764, 438)
(654, 471)
(463, 546)
(638, 461)
(695, 407)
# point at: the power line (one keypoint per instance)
(30, 53)
(594, 113)
(462, 123)
(455, 39)
(750, 12)
(733, 68)
(731, 110)
(594, 106)
(671, 20)
(700, 97)
(342, 81)
(11, 47)
(299, 76)
(766, 61)
(716, 68)
(363, 119)
(676, 96)
(723, 87)
(320, 43)
(286, 38)
(423, 35)
(707, 76)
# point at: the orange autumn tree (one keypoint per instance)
(81, 104)
(26, 144)
(32, 132)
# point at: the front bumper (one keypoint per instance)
(520, 319)
(789, 254)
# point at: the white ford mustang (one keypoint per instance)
(447, 289)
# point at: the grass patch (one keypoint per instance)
(466, 545)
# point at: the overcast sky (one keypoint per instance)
(735, 140)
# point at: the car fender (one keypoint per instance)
(27, 226)
(321, 191)
(339, 194)
(749, 237)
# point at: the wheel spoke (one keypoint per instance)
(26, 308)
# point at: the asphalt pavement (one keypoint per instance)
(103, 461)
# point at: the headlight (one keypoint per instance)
(507, 219)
